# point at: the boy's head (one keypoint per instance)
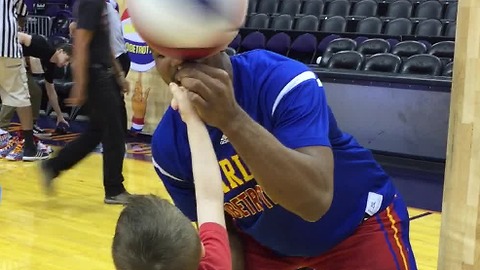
(62, 55)
(153, 234)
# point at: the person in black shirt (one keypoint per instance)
(50, 58)
(100, 83)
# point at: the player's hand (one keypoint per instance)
(212, 93)
(77, 96)
(181, 103)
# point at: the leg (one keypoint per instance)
(109, 101)
(14, 93)
(386, 235)
(35, 97)
(6, 115)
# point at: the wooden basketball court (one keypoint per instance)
(74, 229)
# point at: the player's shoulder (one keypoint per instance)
(269, 68)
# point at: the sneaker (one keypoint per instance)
(37, 155)
(43, 147)
(4, 138)
(40, 133)
(4, 151)
(17, 153)
(48, 175)
(121, 198)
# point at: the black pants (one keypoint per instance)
(124, 61)
(106, 106)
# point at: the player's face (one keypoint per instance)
(62, 59)
(167, 67)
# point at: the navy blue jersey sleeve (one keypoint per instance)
(297, 106)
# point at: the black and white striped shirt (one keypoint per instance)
(9, 45)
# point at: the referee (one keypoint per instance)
(13, 78)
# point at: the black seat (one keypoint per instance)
(408, 48)
(290, 7)
(429, 28)
(383, 62)
(365, 8)
(451, 12)
(346, 60)
(334, 24)
(338, 8)
(370, 25)
(398, 27)
(450, 29)
(399, 9)
(252, 6)
(258, 21)
(443, 49)
(373, 46)
(313, 7)
(267, 6)
(307, 23)
(422, 64)
(448, 70)
(282, 22)
(429, 10)
(337, 45)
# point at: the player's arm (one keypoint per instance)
(24, 39)
(301, 179)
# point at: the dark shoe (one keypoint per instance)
(121, 198)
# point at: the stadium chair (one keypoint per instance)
(429, 28)
(408, 48)
(370, 25)
(338, 8)
(383, 62)
(451, 11)
(236, 42)
(290, 7)
(450, 29)
(431, 9)
(398, 27)
(307, 23)
(351, 60)
(444, 50)
(448, 70)
(258, 21)
(303, 48)
(252, 7)
(279, 43)
(267, 6)
(399, 9)
(365, 8)
(282, 22)
(422, 64)
(337, 45)
(252, 41)
(313, 7)
(335, 24)
(373, 46)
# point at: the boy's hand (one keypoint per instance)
(181, 102)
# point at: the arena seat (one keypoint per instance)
(279, 43)
(290, 7)
(258, 21)
(383, 62)
(351, 60)
(451, 11)
(448, 70)
(408, 48)
(335, 24)
(303, 48)
(365, 8)
(313, 7)
(429, 28)
(338, 8)
(443, 49)
(252, 41)
(307, 23)
(450, 29)
(370, 25)
(431, 9)
(337, 45)
(267, 6)
(399, 9)
(422, 64)
(398, 27)
(373, 46)
(282, 22)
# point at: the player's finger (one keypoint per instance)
(197, 101)
(212, 72)
(207, 80)
(197, 86)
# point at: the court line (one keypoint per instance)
(420, 215)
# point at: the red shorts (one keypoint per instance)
(379, 243)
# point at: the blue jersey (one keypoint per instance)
(288, 100)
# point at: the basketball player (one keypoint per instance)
(300, 192)
(99, 81)
(152, 233)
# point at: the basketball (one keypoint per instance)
(187, 29)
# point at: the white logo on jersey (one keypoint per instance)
(223, 140)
